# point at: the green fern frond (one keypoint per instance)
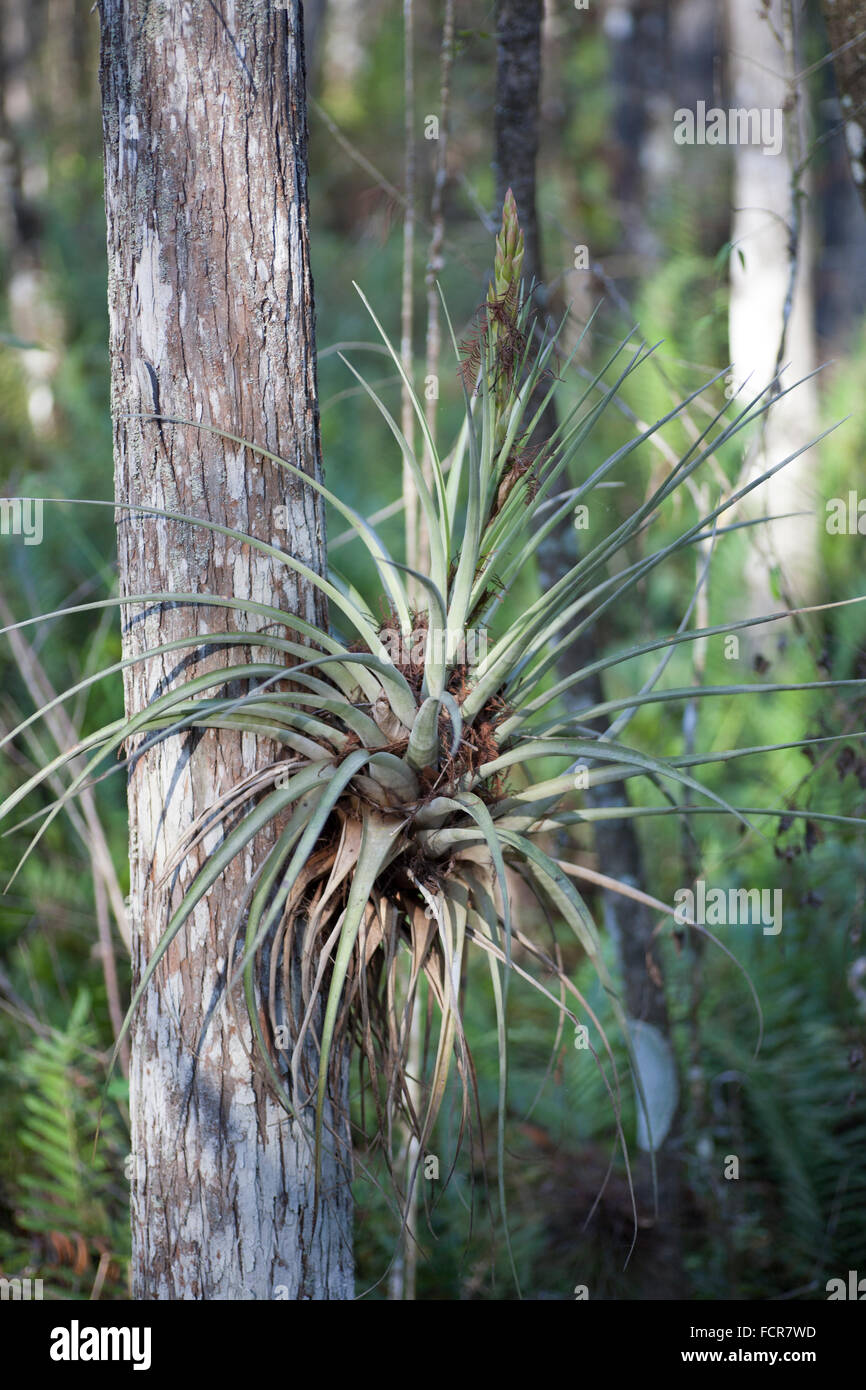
(67, 1199)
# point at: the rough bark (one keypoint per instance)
(211, 319)
(846, 29)
(630, 923)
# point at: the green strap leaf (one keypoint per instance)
(379, 839)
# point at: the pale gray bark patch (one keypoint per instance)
(211, 319)
(761, 222)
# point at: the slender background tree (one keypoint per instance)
(519, 56)
(846, 30)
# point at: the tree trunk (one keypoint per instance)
(211, 319)
(630, 923)
(518, 68)
(846, 29)
(315, 19)
(771, 229)
(639, 42)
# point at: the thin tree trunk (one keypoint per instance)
(315, 20)
(630, 923)
(846, 29)
(640, 46)
(211, 319)
(517, 143)
(518, 68)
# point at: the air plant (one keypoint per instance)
(413, 781)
